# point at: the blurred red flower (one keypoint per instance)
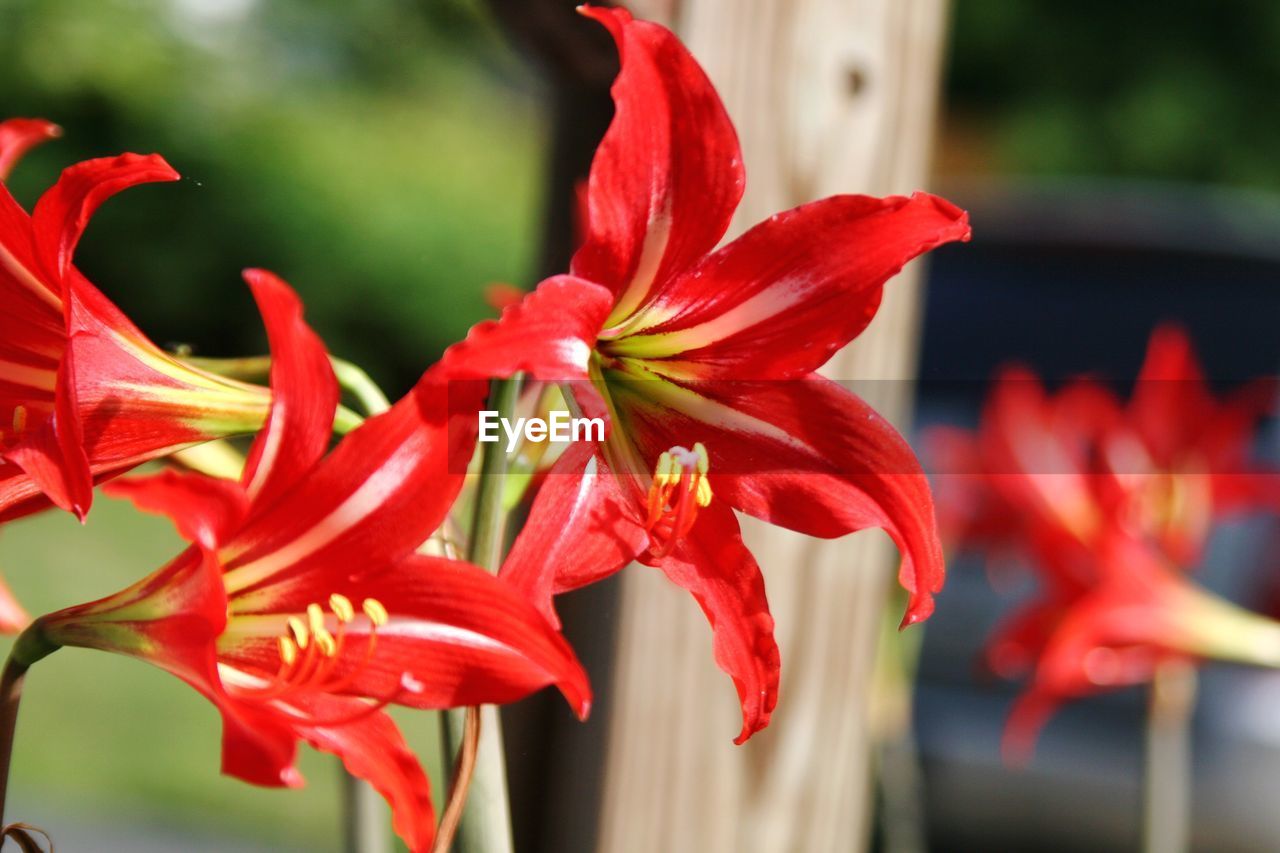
(1111, 502)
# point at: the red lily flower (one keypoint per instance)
(302, 607)
(661, 331)
(83, 394)
(1140, 612)
(1166, 466)
(1111, 503)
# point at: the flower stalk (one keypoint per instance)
(484, 827)
(1168, 774)
(30, 647)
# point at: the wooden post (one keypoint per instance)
(828, 96)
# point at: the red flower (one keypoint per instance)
(83, 394)
(1165, 466)
(302, 607)
(705, 362)
(1111, 503)
(1139, 612)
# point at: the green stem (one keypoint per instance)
(358, 384)
(485, 826)
(30, 647)
(365, 826)
(351, 378)
(1167, 774)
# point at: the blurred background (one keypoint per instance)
(389, 159)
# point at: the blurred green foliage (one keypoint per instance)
(1180, 90)
(383, 157)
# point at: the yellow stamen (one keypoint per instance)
(288, 651)
(301, 635)
(375, 611)
(704, 461)
(326, 643)
(19, 418)
(315, 618)
(680, 487)
(341, 607)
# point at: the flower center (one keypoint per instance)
(314, 660)
(680, 488)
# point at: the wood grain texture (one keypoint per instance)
(828, 96)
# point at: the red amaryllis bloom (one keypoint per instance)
(1110, 502)
(705, 362)
(83, 394)
(302, 607)
(1138, 612)
(1164, 466)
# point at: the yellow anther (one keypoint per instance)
(704, 462)
(301, 635)
(680, 488)
(325, 642)
(375, 611)
(665, 469)
(19, 418)
(315, 618)
(288, 651)
(341, 607)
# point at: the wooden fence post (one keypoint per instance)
(828, 96)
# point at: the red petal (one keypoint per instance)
(778, 301)
(259, 745)
(20, 135)
(464, 636)
(53, 454)
(1170, 399)
(668, 174)
(715, 566)
(808, 455)
(374, 750)
(375, 498)
(549, 335)
(582, 528)
(205, 510)
(63, 212)
(303, 399)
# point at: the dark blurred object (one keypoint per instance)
(1071, 278)
(580, 62)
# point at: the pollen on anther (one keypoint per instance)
(301, 635)
(375, 611)
(315, 618)
(326, 643)
(342, 607)
(19, 418)
(288, 651)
